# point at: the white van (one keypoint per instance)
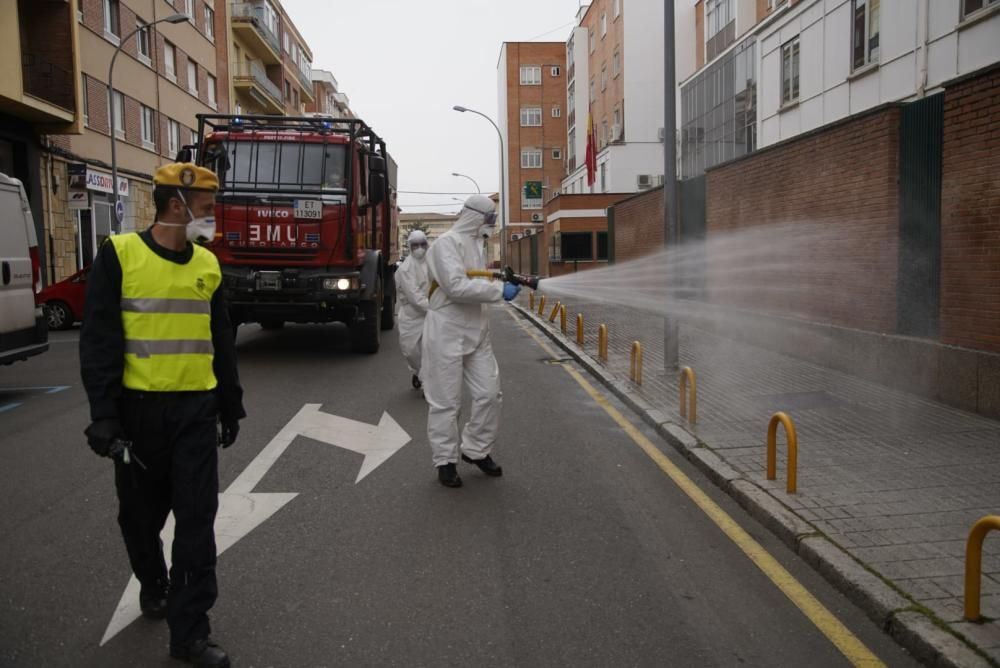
(23, 331)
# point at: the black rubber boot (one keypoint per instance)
(153, 599)
(448, 476)
(202, 653)
(416, 382)
(486, 465)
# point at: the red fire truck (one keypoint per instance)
(306, 221)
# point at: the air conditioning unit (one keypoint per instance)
(616, 132)
(644, 181)
(515, 237)
(536, 217)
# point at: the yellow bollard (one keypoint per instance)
(793, 449)
(562, 319)
(602, 343)
(555, 312)
(688, 378)
(974, 563)
(579, 330)
(541, 304)
(635, 363)
(531, 301)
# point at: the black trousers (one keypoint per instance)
(174, 435)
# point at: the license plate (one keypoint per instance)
(309, 209)
(269, 280)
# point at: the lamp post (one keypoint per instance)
(503, 198)
(471, 179)
(173, 18)
(671, 231)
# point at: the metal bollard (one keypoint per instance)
(602, 343)
(562, 319)
(580, 340)
(555, 312)
(531, 301)
(793, 450)
(635, 363)
(541, 304)
(974, 563)
(687, 378)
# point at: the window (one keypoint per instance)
(289, 166)
(173, 137)
(531, 117)
(576, 246)
(288, 91)
(212, 91)
(618, 117)
(86, 99)
(295, 98)
(531, 75)
(112, 14)
(790, 71)
(604, 76)
(170, 61)
(592, 96)
(593, 42)
(605, 135)
(118, 108)
(555, 70)
(288, 44)
(616, 64)
(604, 25)
(271, 18)
(971, 6)
(142, 41)
(557, 154)
(148, 122)
(604, 177)
(718, 15)
(209, 23)
(193, 78)
(864, 47)
(531, 158)
(556, 111)
(602, 245)
(188, 8)
(616, 8)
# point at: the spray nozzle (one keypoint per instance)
(520, 279)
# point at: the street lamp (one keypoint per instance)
(503, 198)
(173, 18)
(471, 179)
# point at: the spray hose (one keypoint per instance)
(507, 275)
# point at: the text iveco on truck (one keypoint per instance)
(306, 221)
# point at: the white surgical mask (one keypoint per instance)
(419, 253)
(197, 229)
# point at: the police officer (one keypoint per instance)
(158, 361)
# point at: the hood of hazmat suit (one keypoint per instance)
(412, 287)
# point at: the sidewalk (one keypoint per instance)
(894, 480)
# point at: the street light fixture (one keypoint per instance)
(471, 179)
(503, 198)
(173, 18)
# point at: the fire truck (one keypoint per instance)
(306, 221)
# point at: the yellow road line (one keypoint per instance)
(853, 649)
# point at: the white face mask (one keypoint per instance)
(419, 253)
(198, 229)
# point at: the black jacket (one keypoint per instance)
(102, 337)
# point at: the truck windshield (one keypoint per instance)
(269, 165)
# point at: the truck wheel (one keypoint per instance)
(366, 334)
(388, 311)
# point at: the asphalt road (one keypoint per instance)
(583, 554)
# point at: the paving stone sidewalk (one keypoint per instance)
(895, 480)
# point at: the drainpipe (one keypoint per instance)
(924, 43)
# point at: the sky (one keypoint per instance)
(405, 63)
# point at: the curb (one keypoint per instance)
(895, 613)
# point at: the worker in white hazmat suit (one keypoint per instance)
(456, 348)
(413, 286)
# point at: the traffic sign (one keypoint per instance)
(120, 211)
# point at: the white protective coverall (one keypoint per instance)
(456, 347)
(413, 286)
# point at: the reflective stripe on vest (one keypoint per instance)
(167, 317)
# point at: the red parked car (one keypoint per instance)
(62, 302)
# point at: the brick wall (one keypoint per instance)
(838, 184)
(97, 105)
(970, 214)
(133, 133)
(639, 225)
(93, 15)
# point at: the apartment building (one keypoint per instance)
(614, 59)
(770, 70)
(40, 97)
(270, 62)
(433, 225)
(164, 75)
(328, 100)
(532, 93)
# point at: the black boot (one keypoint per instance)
(153, 599)
(202, 653)
(486, 465)
(448, 476)
(416, 382)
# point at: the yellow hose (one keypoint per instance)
(472, 273)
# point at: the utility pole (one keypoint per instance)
(671, 233)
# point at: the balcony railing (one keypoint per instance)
(253, 14)
(306, 82)
(255, 72)
(48, 81)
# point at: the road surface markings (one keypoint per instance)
(849, 645)
(241, 509)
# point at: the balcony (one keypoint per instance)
(252, 81)
(250, 25)
(307, 85)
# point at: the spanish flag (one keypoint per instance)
(591, 149)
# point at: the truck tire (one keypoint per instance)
(366, 335)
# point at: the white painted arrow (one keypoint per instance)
(241, 509)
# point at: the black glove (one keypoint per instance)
(229, 431)
(102, 433)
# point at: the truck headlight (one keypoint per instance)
(337, 284)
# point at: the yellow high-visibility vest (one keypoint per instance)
(167, 317)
